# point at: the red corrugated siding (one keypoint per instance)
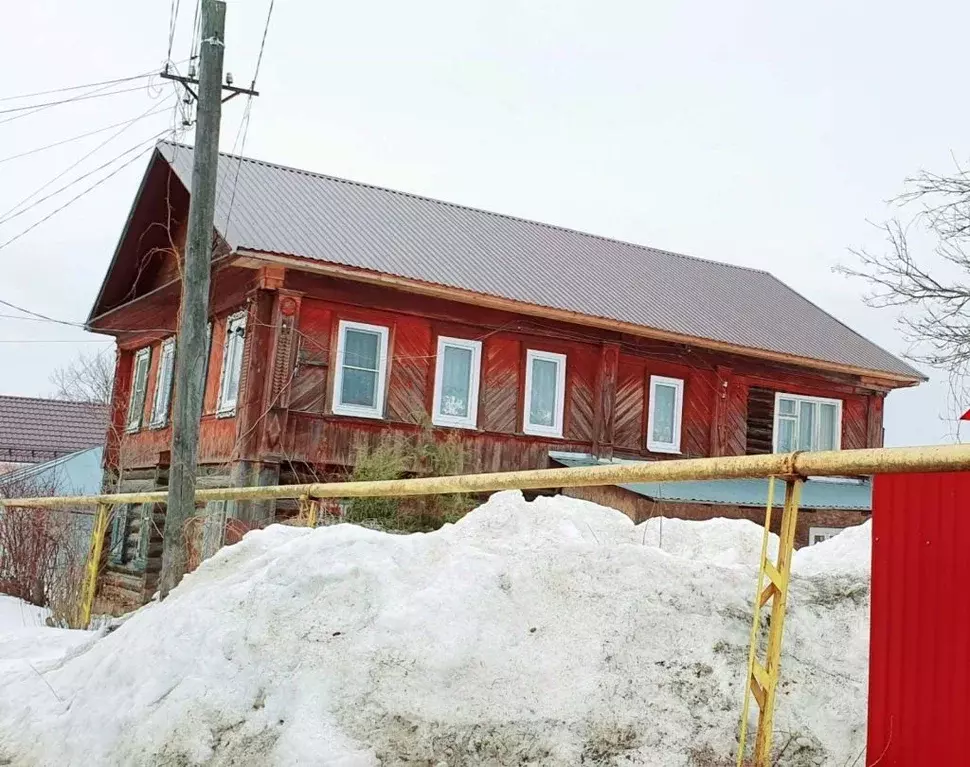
(919, 666)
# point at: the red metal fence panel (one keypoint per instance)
(919, 657)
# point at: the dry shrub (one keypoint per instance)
(42, 551)
(396, 457)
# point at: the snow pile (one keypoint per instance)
(546, 633)
(848, 552)
(717, 541)
(26, 641)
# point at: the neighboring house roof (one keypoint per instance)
(34, 430)
(74, 474)
(824, 493)
(284, 211)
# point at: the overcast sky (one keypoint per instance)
(754, 133)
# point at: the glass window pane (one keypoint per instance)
(361, 349)
(828, 427)
(786, 406)
(806, 426)
(456, 381)
(542, 403)
(234, 362)
(359, 387)
(664, 404)
(786, 435)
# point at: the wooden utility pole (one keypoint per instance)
(193, 314)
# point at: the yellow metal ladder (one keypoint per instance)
(761, 680)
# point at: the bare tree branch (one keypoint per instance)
(85, 378)
(935, 310)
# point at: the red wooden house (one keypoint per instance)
(342, 311)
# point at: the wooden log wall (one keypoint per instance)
(285, 399)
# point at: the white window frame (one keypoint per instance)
(135, 417)
(541, 430)
(360, 411)
(655, 446)
(442, 419)
(226, 405)
(828, 532)
(799, 398)
(162, 401)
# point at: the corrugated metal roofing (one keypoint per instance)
(919, 639)
(34, 430)
(74, 474)
(287, 211)
(816, 494)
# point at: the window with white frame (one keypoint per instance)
(361, 369)
(232, 359)
(819, 534)
(545, 393)
(139, 385)
(456, 378)
(163, 384)
(807, 423)
(664, 415)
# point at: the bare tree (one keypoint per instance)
(931, 288)
(85, 378)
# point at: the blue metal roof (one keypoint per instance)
(75, 474)
(816, 494)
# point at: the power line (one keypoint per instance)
(244, 122)
(83, 176)
(79, 87)
(173, 20)
(262, 45)
(81, 194)
(244, 130)
(9, 215)
(38, 316)
(194, 47)
(83, 97)
(156, 110)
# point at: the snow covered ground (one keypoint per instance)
(546, 633)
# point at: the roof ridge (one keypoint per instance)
(508, 216)
(23, 398)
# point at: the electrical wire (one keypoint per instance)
(153, 140)
(9, 215)
(83, 97)
(79, 87)
(157, 110)
(244, 130)
(173, 20)
(81, 194)
(244, 122)
(196, 28)
(262, 45)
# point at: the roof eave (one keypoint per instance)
(880, 378)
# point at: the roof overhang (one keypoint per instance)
(877, 379)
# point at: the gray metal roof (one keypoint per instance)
(281, 210)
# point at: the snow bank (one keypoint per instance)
(848, 552)
(546, 633)
(15, 614)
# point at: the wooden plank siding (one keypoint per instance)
(501, 382)
(607, 380)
